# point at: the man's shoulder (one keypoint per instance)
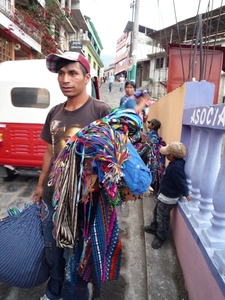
(56, 108)
(98, 102)
(100, 107)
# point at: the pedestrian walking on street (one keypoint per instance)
(172, 187)
(111, 80)
(63, 121)
(122, 82)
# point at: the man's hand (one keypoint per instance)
(38, 194)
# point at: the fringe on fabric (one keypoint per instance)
(92, 161)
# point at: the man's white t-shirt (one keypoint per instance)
(122, 79)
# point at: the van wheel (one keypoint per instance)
(10, 174)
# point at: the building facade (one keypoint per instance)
(122, 51)
(199, 54)
(33, 30)
(123, 60)
(93, 47)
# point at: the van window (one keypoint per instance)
(30, 97)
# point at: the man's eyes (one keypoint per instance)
(72, 73)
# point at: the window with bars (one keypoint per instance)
(159, 63)
(5, 49)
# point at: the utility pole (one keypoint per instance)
(135, 41)
(132, 5)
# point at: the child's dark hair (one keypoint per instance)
(156, 123)
(130, 82)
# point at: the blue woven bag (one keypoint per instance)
(136, 175)
(22, 250)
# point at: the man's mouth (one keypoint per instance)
(67, 88)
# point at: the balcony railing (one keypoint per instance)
(5, 8)
(205, 170)
(19, 20)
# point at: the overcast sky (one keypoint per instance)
(110, 17)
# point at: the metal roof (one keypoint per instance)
(184, 32)
(143, 29)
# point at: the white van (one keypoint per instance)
(27, 93)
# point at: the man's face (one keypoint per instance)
(71, 80)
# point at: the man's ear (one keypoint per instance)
(87, 78)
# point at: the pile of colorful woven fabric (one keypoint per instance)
(86, 177)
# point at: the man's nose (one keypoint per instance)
(66, 77)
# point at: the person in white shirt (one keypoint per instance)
(122, 82)
(111, 80)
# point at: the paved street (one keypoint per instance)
(112, 98)
(163, 278)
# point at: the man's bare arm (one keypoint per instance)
(45, 167)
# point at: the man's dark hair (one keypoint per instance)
(65, 62)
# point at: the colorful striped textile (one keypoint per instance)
(86, 220)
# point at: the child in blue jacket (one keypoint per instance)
(172, 187)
